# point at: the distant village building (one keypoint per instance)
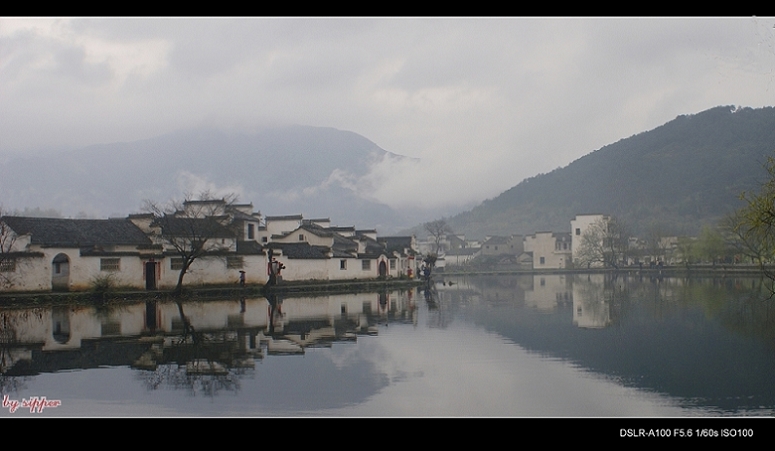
(511, 245)
(580, 225)
(463, 256)
(549, 250)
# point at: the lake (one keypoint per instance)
(574, 345)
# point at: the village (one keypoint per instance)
(217, 242)
(593, 241)
(209, 241)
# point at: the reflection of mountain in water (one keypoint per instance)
(707, 340)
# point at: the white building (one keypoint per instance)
(579, 227)
(550, 250)
(139, 252)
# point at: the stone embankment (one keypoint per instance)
(209, 292)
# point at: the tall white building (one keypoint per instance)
(578, 227)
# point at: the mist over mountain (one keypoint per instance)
(315, 171)
(680, 176)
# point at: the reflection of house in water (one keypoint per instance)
(591, 301)
(231, 333)
(549, 291)
(496, 289)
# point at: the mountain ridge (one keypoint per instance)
(276, 168)
(684, 174)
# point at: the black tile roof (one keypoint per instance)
(396, 243)
(207, 227)
(236, 214)
(249, 248)
(60, 232)
(284, 218)
(498, 240)
(301, 250)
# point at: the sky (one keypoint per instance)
(483, 103)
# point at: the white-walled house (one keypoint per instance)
(550, 250)
(462, 256)
(138, 251)
(511, 245)
(579, 226)
(68, 254)
(360, 255)
(278, 225)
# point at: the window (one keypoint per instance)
(110, 264)
(543, 260)
(176, 263)
(393, 263)
(8, 265)
(234, 262)
(578, 231)
(301, 237)
(366, 265)
(342, 264)
(264, 239)
(251, 231)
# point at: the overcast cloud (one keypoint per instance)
(484, 102)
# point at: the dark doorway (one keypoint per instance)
(382, 269)
(60, 273)
(150, 316)
(150, 275)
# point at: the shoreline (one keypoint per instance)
(321, 287)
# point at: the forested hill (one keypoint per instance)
(680, 176)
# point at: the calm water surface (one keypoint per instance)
(537, 346)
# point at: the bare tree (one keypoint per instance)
(591, 250)
(8, 257)
(193, 228)
(605, 242)
(618, 241)
(437, 229)
(750, 242)
(656, 242)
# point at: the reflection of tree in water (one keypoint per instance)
(439, 314)
(741, 304)
(9, 339)
(179, 377)
(12, 384)
(746, 307)
(204, 363)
